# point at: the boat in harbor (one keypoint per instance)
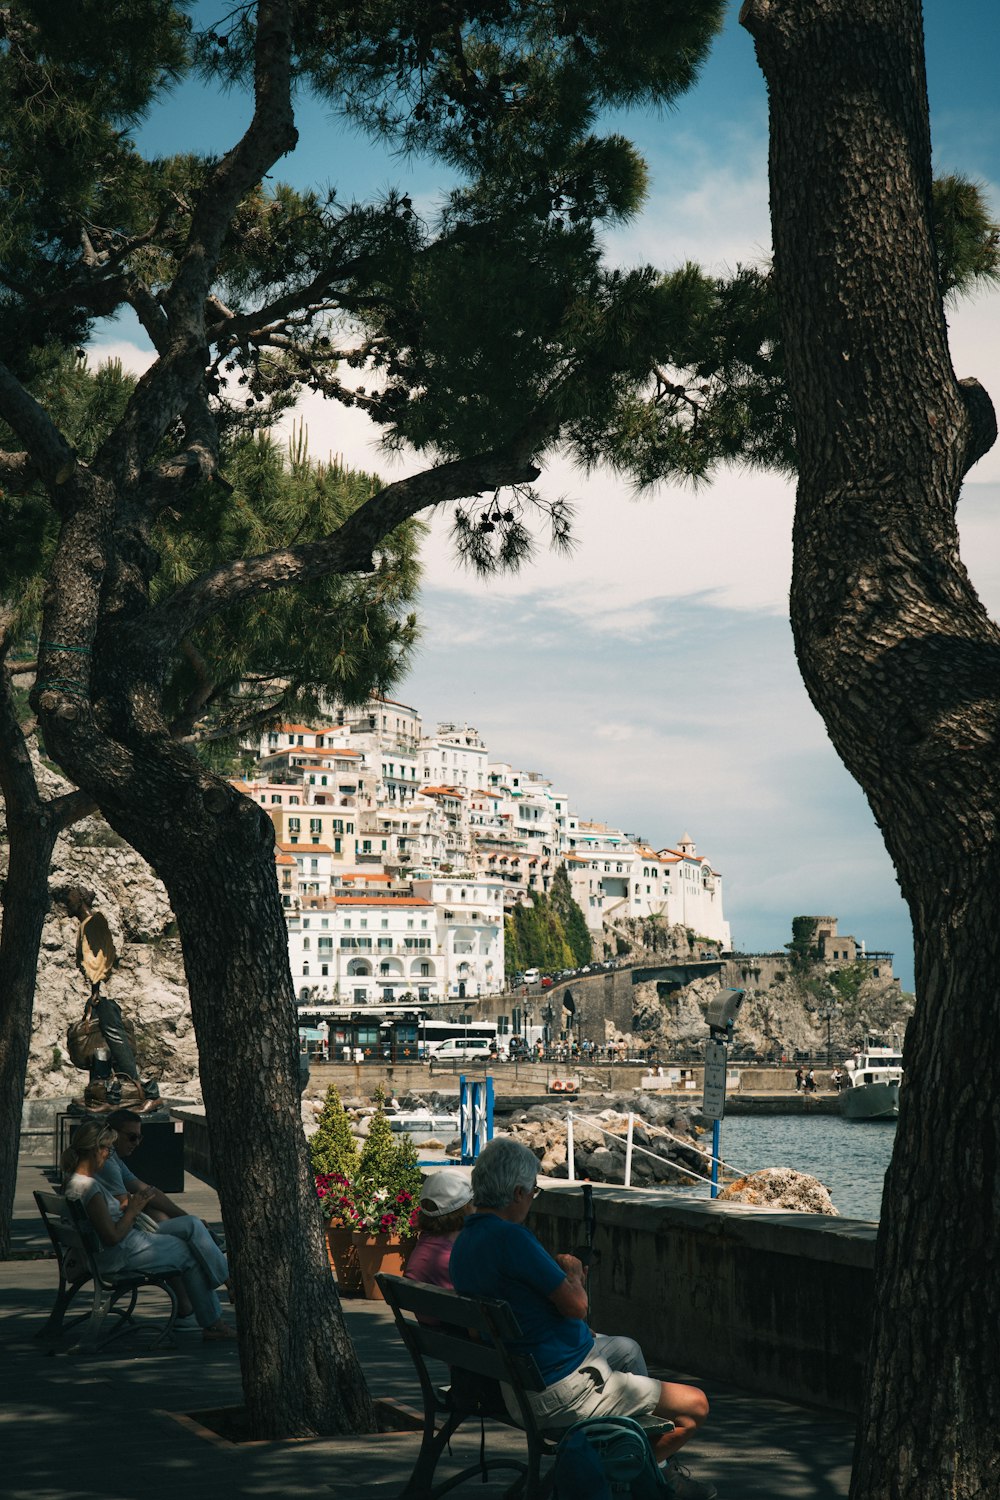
(422, 1122)
(871, 1085)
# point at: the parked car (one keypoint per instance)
(547, 981)
(531, 976)
(462, 1049)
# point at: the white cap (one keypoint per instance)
(445, 1193)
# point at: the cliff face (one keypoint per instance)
(781, 1020)
(785, 1008)
(148, 981)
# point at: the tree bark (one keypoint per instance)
(213, 850)
(903, 663)
(33, 826)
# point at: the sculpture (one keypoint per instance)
(102, 1041)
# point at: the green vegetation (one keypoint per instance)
(802, 949)
(550, 934)
(387, 1161)
(333, 1147)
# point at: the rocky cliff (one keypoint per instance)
(148, 981)
(787, 1003)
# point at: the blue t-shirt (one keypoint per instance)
(493, 1258)
(115, 1177)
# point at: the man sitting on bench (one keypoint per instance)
(586, 1375)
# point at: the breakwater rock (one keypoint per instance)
(780, 1188)
(665, 1151)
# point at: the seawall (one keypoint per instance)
(778, 1303)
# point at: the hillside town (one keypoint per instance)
(399, 851)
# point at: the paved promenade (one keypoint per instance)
(113, 1426)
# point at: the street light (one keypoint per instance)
(829, 1014)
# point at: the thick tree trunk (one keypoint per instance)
(213, 850)
(903, 663)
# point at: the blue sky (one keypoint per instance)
(652, 674)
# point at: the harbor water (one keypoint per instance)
(849, 1157)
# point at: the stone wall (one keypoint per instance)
(777, 1303)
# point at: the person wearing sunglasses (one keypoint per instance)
(585, 1374)
(119, 1179)
(120, 1182)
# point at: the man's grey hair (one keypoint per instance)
(502, 1166)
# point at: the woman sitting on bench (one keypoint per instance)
(124, 1247)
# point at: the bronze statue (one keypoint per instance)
(102, 1041)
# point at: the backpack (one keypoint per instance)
(603, 1457)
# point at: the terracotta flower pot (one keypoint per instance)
(379, 1252)
(343, 1256)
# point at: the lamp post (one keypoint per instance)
(829, 1014)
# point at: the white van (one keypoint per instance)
(462, 1049)
(531, 976)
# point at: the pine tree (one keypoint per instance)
(333, 1149)
(385, 1161)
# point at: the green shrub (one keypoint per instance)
(333, 1147)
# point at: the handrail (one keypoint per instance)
(631, 1145)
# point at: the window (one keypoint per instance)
(305, 944)
(385, 923)
(324, 969)
(294, 824)
(315, 825)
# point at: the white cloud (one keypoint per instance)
(134, 357)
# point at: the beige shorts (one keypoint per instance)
(593, 1389)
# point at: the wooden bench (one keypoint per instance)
(475, 1338)
(77, 1247)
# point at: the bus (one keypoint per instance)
(380, 1033)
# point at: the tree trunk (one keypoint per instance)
(32, 829)
(213, 850)
(31, 835)
(903, 664)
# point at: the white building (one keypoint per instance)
(614, 876)
(454, 755)
(369, 948)
(470, 929)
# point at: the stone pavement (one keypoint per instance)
(113, 1426)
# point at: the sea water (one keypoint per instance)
(849, 1157)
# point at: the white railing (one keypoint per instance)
(631, 1146)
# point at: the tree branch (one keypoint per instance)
(48, 450)
(166, 388)
(347, 550)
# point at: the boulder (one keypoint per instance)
(780, 1188)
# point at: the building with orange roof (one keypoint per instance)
(439, 939)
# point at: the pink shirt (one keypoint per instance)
(428, 1260)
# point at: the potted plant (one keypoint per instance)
(369, 1199)
(384, 1195)
(334, 1155)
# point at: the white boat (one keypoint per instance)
(871, 1085)
(422, 1122)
